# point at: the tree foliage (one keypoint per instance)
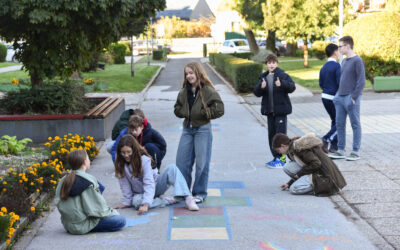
(60, 36)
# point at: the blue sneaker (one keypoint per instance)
(275, 163)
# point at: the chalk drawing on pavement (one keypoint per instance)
(270, 246)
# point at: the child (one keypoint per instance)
(123, 123)
(148, 137)
(274, 85)
(198, 102)
(311, 170)
(79, 200)
(141, 185)
(329, 78)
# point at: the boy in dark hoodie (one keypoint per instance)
(273, 86)
(148, 137)
(122, 124)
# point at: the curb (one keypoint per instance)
(143, 93)
(337, 200)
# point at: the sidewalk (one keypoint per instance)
(10, 68)
(245, 208)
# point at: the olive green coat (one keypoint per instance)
(198, 115)
(326, 177)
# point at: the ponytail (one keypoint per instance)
(67, 185)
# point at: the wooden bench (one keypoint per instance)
(104, 108)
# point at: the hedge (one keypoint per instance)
(243, 73)
(319, 49)
(118, 51)
(377, 40)
(158, 54)
(3, 52)
(245, 55)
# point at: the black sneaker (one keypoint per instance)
(325, 145)
(333, 149)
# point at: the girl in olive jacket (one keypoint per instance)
(80, 202)
(198, 102)
(314, 167)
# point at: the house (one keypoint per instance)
(188, 10)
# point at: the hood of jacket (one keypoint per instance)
(306, 142)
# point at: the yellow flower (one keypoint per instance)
(10, 169)
(37, 190)
(4, 210)
(33, 209)
(8, 242)
(49, 138)
(14, 81)
(57, 138)
(4, 183)
(47, 144)
(53, 153)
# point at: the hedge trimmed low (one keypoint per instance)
(246, 55)
(243, 73)
(158, 54)
(3, 52)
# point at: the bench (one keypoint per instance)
(104, 108)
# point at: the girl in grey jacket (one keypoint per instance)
(140, 183)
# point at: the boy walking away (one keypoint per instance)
(273, 86)
(329, 78)
(347, 99)
(147, 137)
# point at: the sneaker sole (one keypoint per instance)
(352, 159)
(337, 157)
(272, 167)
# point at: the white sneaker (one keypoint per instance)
(191, 204)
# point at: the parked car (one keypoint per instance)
(279, 46)
(234, 46)
(140, 47)
(11, 52)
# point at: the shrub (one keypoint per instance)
(376, 39)
(319, 49)
(262, 54)
(106, 57)
(127, 45)
(118, 51)
(51, 98)
(246, 55)
(7, 224)
(300, 53)
(243, 73)
(16, 200)
(59, 148)
(158, 54)
(11, 145)
(3, 52)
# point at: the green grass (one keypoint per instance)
(118, 77)
(307, 77)
(144, 59)
(6, 64)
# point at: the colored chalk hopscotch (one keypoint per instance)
(211, 222)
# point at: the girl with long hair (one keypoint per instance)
(198, 103)
(80, 202)
(140, 183)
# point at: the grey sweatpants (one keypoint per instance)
(303, 185)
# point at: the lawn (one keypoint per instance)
(116, 78)
(6, 64)
(307, 77)
(144, 59)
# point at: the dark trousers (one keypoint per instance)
(276, 124)
(331, 136)
(155, 153)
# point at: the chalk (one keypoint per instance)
(174, 218)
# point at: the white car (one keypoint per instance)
(234, 46)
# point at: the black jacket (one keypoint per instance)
(282, 104)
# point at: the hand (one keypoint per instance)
(278, 82)
(120, 206)
(354, 102)
(284, 186)
(143, 209)
(263, 84)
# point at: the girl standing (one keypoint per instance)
(140, 183)
(80, 202)
(198, 102)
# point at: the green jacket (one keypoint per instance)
(326, 176)
(198, 115)
(122, 123)
(81, 213)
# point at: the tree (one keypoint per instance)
(303, 19)
(251, 12)
(60, 36)
(270, 8)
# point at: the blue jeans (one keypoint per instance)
(110, 224)
(171, 176)
(344, 106)
(331, 136)
(195, 144)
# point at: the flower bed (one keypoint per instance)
(21, 185)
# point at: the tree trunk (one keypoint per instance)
(252, 41)
(305, 53)
(271, 41)
(291, 49)
(36, 80)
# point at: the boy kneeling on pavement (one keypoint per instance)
(310, 169)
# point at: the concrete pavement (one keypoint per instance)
(245, 208)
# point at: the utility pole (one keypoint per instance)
(151, 34)
(147, 47)
(132, 60)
